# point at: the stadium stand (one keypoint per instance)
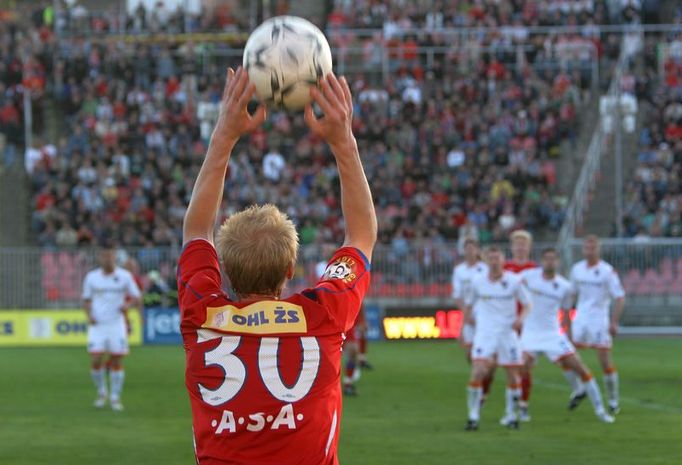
(136, 118)
(654, 194)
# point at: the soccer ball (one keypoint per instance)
(284, 56)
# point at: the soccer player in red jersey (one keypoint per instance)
(263, 372)
(521, 244)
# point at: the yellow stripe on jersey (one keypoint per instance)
(265, 317)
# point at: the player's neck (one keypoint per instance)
(471, 262)
(108, 270)
(257, 297)
(519, 261)
(592, 261)
(547, 275)
(495, 276)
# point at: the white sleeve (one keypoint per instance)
(87, 288)
(522, 294)
(569, 297)
(133, 290)
(456, 285)
(615, 287)
(471, 296)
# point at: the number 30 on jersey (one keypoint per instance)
(235, 370)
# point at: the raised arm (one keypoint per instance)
(233, 121)
(334, 98)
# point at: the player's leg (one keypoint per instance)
(488, 380)
(97, 373)
(352, 371)
(116, 378)
(611, 380)
(512, 397)
(362, 349)
(479, 370)
(510, 356)
(573, 363)
(526, 369)
(96, 349)
(573, 379)
(118, 344)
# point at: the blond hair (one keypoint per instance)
(521, 234)
(257, 247)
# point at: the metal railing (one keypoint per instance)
(417, 273)
(478, 31)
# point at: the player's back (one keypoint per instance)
(251, 391)
(263, 376)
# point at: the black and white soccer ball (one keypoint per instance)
(284, 56)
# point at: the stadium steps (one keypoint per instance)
(573, 153)
(600, 216)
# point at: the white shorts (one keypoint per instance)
(108, 338)
(554, 347)
(467, 334)
(506, 345)
(591, 333)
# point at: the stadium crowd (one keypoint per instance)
(461, 145)
(446, 152)
(25, 65)
(654, 194)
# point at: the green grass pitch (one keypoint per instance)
(411, 410)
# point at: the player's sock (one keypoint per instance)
(474, 394)
(350, 372)
(512, 397)
(611, 383)
(116, 378)
(362, 343)
(574, 380)
(98, 378)
(526, 385)
(593, 393)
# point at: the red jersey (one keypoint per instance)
(516, 267)
(355, 333)
(264, 376)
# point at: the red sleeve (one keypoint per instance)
(343, 285)
(198, 272)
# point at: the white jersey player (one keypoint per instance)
(549, 293)
(108, 292)
(462, 276)
(596, 283)
(492, 298)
